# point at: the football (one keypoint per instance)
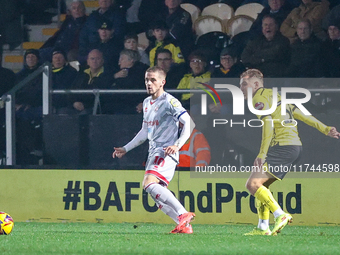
(6, 223)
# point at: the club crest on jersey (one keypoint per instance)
(146, 109)
(259, 106)
(156, 108)
(174, 102)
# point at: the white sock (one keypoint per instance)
(278, 212)
(168, 210)
(263, 224)
(162, 194)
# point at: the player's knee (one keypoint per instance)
(148, 179)
(252, 185)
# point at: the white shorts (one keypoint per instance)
(162, 167)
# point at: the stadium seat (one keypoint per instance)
(239, 42)
(212, 44)
(221, 11)
(251, 10)
(194, 11)
(238, 24)
(206, 24)
(143, 41)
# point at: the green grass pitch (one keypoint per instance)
(143, 238)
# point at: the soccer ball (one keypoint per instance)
(6, 223)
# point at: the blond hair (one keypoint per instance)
(252, 73)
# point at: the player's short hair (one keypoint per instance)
(156, 69)
(252, 73)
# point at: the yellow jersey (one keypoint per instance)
(281, 129)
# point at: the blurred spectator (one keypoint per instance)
(230, 66)
(109, 45)
(67, 37)
(132, 71)
(28, 106)
(269, 52)
(174, 72)
(11, 31)
(332, 16)
(7, 82)
(199, 74)
(313, 11)
(94, 77)
(130, 76)
(63, 75)
(330, 51)
(305, 53)
(278, 9)
(29, 98)
(133, 23)
(147, 11)
(131, 43)
(163, 41)
(106, 11)
(195, 152)
(180, 25)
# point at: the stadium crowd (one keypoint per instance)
(289, 39)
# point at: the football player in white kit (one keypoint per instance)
(161, 115)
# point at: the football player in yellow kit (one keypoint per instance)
(280, 147)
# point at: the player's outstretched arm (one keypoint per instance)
(313, 122)
(333, 133)
(118, 152)
(136, 141)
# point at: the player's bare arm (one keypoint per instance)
(118, 152)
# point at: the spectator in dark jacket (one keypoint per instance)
(278, 9)
(130, 76)
(67, 37)
(29, 98)
(180, 25)
(11, 30)
(269, 52)
(89, 33)
(330, 51)
(63, 75)
(230, 67)
(108, 44)
(94, 77)
(305, 53)
(7, 80)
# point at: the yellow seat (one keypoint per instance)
(13, 59)
(32, 45)
(49, 31)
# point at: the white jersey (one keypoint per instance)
(162, 117)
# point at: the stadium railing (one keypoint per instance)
(46, 71)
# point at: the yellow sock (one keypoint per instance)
(266, 197)
(262, 210)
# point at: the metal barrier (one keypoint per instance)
(46, 70)
(9, 98)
